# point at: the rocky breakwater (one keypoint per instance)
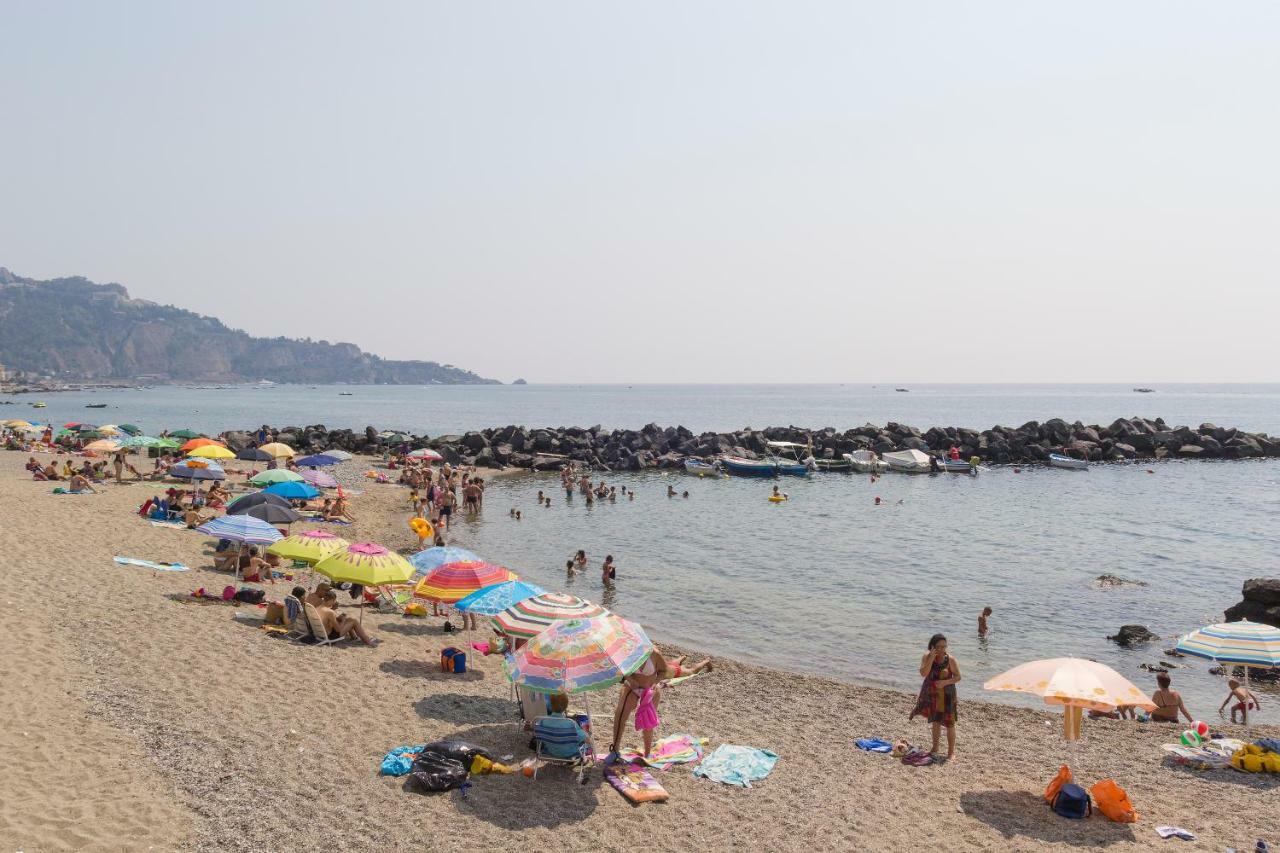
(1261, 602)
(667, 447)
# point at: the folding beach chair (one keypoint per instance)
(298, 625)
(556, 742)
(319, 636)
(393, 598)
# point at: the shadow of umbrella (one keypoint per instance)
(1021, 813)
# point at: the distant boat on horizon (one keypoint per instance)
(1144, 390)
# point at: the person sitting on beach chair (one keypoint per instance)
(559, 739)
(336, 625)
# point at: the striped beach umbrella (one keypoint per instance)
(455, 581)
(433, 558)
(310, 546)
(241, 528)
(492, 600)
(275, 475)
(1244, 642)
(580, 655)
(532, 616)
(141, 441)
(365, 563)
(425, 453)
(319, 479)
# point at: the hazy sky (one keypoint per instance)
(730, 191)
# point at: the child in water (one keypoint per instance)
(1245, 701)
(982, 621)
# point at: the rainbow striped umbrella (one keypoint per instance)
(1243, 642)
(453, 582)
(530, 617)
(365, 563)
(580, 655)
(492, 600)
(309, 546)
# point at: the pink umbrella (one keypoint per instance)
(425, 453)
(319, 479)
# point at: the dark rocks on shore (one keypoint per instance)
(1130, 634)
(653, 446)
(1261, 602)
(1116, 580)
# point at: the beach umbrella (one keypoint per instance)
(1073, 683)
(492, 600)
(254, 454)
(109, 429)
(275, 475)
(212, 451)
(141, 441)
(17, 423)
(244, 502)
(272, 513)
(394, 437)
(455, 581)
(167, 443)
(365, 563)
(277, 450)
(293, 490)
(184, 434)
(71, 424)
(103, 445)
(340, 455)
(318, 460)
(1247, 644)
(241, 528)
(319, 479)
(309, 546)
(431, 558)
(130, 429)
(425, 453)
(580, 655)
(194, 443)
(532, 616)
(197, 469)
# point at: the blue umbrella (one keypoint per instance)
(317, 461)
(293, 490)
(492, 600)
(241, 528)
(210, 472)
(434, 558)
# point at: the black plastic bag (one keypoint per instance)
(433, 772)
(460, 751)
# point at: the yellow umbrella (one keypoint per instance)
(365, 563)
(17, 423)
(1074, 683)
(212, 451)
(310, 546)
(102, 445)
(109, 429)
(277, 449)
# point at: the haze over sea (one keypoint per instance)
(731, 573)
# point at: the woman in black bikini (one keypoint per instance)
(1168, 702)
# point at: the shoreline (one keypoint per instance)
(211, 734)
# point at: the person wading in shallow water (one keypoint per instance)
(937, 700)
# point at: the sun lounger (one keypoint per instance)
(319, 637)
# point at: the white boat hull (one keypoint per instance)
(1067, 462)
(865, 462)
(907, 462)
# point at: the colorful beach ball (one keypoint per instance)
(1190, 738)
(1201, 728)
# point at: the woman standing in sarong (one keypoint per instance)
(937, 700)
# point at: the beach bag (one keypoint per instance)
(250, 596)
(1073, 801)
(1063, 777)
(433, 772)
(452, 660)
(457, 750)
(1113, 802)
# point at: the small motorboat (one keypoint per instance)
(95, 405)
(1144, 390)
(957, 466)
(836, 466)
(38, 405)
(908, 462)
(703, 469)
(902, 390)
(768, 467)
(865, 461)
(1057, 460)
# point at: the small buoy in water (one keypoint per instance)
(1150, 471)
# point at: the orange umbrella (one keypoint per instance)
(1074, 683)
(199, 442)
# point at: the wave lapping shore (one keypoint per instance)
(653, 446)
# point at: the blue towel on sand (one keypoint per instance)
(397, 763)
(874, 744)
(736, 765)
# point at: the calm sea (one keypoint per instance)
(829, 582)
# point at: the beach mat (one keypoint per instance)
(671, 750)
(148, 564)
(177, 525)
(635, 783)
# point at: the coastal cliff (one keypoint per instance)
(73, 328)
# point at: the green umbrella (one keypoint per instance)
(184, 434)
(168, 443)
(275, 475)
(129, 428)
(145, 441)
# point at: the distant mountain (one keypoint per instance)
(72, 328)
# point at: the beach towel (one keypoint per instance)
(1175, 832)
(736, 765)
(399, 761)
(671, 750)
(635, 783)
(178, 525)
(873, 744)
(148, 564)
(1269, 744)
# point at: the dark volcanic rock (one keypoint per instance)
(1130, 634)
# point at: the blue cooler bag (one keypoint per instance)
(1073, 802)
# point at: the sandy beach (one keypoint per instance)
(135, 721)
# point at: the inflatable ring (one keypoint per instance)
(776, 499)
(421, 527)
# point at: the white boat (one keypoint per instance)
(907, 461)
(1057, 460)
(957, 466)
(703, 469)
(865, 461)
